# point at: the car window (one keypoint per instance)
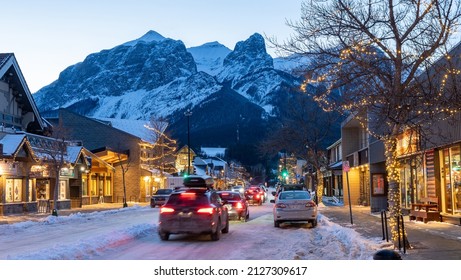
(164, 191)
(229, 196)
(188, 199)
(295, 195)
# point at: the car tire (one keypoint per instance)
(314, 223)
(164, 235)
(226, 228)
(276, 224)
(215, 236)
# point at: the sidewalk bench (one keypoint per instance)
(426, 210)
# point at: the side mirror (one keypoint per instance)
(273, 193)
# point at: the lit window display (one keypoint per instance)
(412, 181)
(451, 181)
(13, 190)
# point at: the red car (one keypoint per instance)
(254, 195)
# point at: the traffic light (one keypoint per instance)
(284, 173)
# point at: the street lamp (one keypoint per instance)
(188, 113)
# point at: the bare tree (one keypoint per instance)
(304, 131)
(379, 61)
(164, 148)
(52, 152)
(125, 164)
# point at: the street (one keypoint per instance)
(199, 247)
(131, 234)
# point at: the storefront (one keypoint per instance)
(412, 180)
(97, 180)
(15, 190)
(450, 180)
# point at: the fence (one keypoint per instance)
(43, 206)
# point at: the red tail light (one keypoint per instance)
(208, 210)
(280, 205)
(239, 205)
(257, 196)
(310, 204)
(166, 210)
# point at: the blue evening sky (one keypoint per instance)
(47, 36)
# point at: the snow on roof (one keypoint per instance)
(134, 127)
(200, 171)
(199, 161)
(11, 143)
(216, 161)
(213, 152)
(72, 153)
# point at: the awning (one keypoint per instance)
(337, 166)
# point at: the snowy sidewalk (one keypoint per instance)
(430, 241)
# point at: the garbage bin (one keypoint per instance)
(387, 255)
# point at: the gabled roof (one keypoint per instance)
(215, 161)
(9, 69)
(198, 161)
(13, 143)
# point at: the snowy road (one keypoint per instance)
(130, 234)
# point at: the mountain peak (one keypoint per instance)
(249, 56)
(254, 43)
(150, 36)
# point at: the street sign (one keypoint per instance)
(346, 166)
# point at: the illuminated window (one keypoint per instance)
(84, 187)
(13, 190)
(108, 189)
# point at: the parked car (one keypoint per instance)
(236, 204)
(195, 210)
(160, 197)
(294, 207)
(254, 195)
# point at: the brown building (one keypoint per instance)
(125, 144)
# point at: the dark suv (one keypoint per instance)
(193, 210)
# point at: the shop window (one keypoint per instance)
(101, 187)
(43, 189)
(451, 182)
(13, 190)
(93, 187)
(84, 187)
(108, 189)
(31, 183)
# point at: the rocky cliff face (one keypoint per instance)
(230, 92)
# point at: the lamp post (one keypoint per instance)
(188, 113)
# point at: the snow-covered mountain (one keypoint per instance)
(230, 92)
(209, 57)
